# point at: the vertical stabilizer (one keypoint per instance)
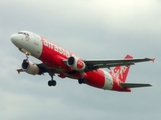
(121, 72)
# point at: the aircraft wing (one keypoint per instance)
(95, 64)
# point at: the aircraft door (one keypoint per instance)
(36, 46)
(36, 40)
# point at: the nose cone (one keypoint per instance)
(14, 38)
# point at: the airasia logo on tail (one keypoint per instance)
(120, 72)
(80, 64)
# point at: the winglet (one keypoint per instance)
(153, 59)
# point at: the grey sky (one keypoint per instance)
(104, 29)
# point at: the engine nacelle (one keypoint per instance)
(76, 63)
(30, 67)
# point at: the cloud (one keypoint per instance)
(91, 29)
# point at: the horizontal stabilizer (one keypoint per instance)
(133, 85)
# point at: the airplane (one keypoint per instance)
(57, 60)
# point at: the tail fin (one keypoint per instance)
(121, 72)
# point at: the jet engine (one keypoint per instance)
(30, 67)
(76, 63)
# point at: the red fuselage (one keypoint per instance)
(53, 56)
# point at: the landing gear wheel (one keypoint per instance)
(49, 83)
(52, 83)
(80, 81)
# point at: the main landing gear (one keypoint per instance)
(81, 81)
(51, 82)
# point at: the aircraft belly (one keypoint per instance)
(95, 78)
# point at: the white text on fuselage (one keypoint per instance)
(56, 48)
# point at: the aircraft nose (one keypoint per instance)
(14, 38)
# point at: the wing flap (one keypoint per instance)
(113, 65)
(134, 85)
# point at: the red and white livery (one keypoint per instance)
(57, 60)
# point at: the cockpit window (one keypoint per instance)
(26, 34)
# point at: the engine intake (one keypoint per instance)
(76, 63)
(30, 67)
